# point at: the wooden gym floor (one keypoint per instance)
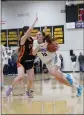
(50, 97)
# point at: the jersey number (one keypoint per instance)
(44, 54)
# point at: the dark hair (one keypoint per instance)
(43, 33)
(25, 28)
(48, 39)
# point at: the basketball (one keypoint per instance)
(51, 47)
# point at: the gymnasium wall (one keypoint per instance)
(22, 13)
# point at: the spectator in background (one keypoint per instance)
(9, 55)
(5, 68)
(9, 66)
(61, 58)
(81, 62)
(14, 60)
(10, 50)
(13, 66)
(73, 59)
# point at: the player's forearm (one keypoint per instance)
(28, 32)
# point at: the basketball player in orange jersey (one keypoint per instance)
(49, 55)
(25, 61)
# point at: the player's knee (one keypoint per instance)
(31, 77)
(20, 78)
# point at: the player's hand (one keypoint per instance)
(36, 17)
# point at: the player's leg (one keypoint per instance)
(66, 79)
(30, 82)
(16, 80)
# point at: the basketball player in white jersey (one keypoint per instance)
(53, 62)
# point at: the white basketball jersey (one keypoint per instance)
(49, 58)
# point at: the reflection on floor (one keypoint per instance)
(50, 97)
